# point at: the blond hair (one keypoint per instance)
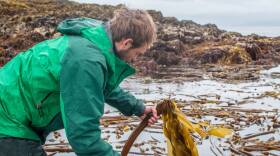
(135, 24)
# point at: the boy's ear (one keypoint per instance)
(127, 43)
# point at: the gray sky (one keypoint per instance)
(245, 16)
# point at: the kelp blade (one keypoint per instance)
(178, 131)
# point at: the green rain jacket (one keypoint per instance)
(74, 74)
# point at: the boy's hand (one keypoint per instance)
(154, 117)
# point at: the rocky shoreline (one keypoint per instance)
(180, 43)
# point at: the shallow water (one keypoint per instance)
(243, 95)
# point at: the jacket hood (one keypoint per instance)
(75, 26)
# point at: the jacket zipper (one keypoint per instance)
(39, 105)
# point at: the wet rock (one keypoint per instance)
(230, 36)
(209, 56)
(275, 75)
(175, 46)
(148, 68)
(237, 55)
(254, 51)
(222, 55)
(212, 30)
(157, 15)
(167, 58)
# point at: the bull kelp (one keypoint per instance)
(178, 131)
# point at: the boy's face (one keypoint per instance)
(126, 52)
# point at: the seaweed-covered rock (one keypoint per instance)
(254, 51)
(24, 23)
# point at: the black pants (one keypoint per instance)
(20, 147)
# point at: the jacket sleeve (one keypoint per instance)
(125, 102)
(82, 105)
